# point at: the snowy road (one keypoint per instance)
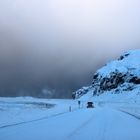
(84, 124)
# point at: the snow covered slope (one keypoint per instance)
(118, 76)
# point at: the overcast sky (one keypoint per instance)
(61, 43)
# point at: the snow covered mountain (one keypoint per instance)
(118, 76)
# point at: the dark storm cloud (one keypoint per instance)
(59, 44)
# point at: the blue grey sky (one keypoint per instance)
(60, 43)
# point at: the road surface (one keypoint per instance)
(85, 124)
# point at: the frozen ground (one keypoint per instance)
(128, 102)
(29, 118)
(15, 111)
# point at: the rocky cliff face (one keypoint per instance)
(117, 76)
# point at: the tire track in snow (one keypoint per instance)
(80, 127)
(101, 104)
(43, 118)
(40, 119)
(131, 114)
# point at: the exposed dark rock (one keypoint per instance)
(135, 80)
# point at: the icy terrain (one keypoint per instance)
(112, 118)
(14, 111)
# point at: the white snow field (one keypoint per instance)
(111, 119)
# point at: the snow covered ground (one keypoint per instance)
(115, 117)
(127, 101)
(23, 110)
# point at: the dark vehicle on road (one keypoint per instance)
(90, 105)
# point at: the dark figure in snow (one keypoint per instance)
(79, 103)
(73, 96)
(70, 109)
